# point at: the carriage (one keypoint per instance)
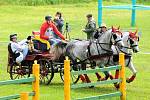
(44, 59)
(82, 50)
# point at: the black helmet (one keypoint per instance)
(12, 36)
(47, 18)
(89, 15)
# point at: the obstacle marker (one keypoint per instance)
(25, 95)
(121, 80)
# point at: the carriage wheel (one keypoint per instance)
(46, 71)
(62, 73)
(75, 78)
(17, 71)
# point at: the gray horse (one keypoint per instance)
(130, 41)
(96, 51)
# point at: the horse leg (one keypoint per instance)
(132, 77)
(116, 77)
(106, 76)
(98, 76)
(82, 78)
(117, 74)
(93, 64)
(83, 66)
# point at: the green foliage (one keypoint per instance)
(41, 2)
(24, 19)
(53, 2)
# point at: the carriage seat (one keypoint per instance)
(40, 43)
(11, 55)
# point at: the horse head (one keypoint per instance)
(117, 36)
(58, 51)
(133, 41)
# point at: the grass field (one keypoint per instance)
(24, 19)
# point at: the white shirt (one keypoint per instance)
(49, 32)
(18, 47)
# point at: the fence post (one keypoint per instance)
(133, 17)
(24, 96)
(100, 12)
(67, 79)
(35, 84)
(122, 76)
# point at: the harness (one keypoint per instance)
(100, 56)
(127, 55)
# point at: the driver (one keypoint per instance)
(101, 30)
(47, 31)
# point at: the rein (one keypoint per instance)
(110, 52)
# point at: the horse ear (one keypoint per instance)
(118, 27)
(136, 31)
(112, 28)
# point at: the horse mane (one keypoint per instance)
(104, 35)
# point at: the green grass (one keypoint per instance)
(24, 19)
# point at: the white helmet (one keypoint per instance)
(103, 25)
(19, 59)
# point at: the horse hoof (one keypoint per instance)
(117, 86)
(128, 80)
(103, 79)
(91, 86)
(99, 80)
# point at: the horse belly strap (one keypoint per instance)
(116, 57)
(95, 57)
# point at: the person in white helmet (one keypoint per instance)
(101, 30)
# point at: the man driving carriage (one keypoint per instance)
(47, 31)
(102, 29)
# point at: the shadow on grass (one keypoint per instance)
(99, 89)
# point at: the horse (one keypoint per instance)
(95, 51)
(130, 41)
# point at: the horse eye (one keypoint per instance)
(114, 36)
(131, 41)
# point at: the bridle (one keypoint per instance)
(100, 45)
(127, 47)
(131, 43)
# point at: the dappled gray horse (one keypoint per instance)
(98, 51)
(130, 41)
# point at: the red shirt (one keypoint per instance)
(45, 26)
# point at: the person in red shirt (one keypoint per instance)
(48, 30)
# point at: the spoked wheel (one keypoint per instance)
(17, 71)
(74, 67)
(46, 71)
(62, 73)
